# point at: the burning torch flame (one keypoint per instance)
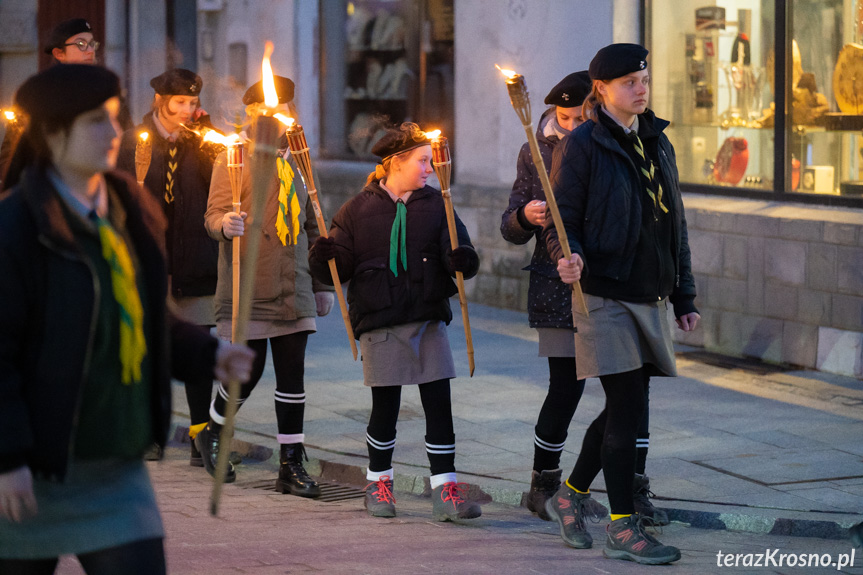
(217, 138)
(144, 136)
(432, 135)
(271, 98)
(284, 119)
(10, 115)
(508, 73)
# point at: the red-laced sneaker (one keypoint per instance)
(626, 539)
(448, 503)
(567, 507)
(380, 501)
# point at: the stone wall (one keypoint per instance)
(778, 282)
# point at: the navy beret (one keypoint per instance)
(399, 140)
(616, 60)
(284, 88)
(571, 91)
(61, 93)
(65, 30)
(177, 82)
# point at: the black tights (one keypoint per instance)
(440, 438)
(289, 356)
(145, 557)
(609, 443)
(564, 393)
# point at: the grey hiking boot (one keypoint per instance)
(626, 539)
(449, 505)
(542, 486)
(570, 509)
(380, 501)
(641, 495)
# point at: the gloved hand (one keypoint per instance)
(462, 260)
(324, 302)
(324, 249)
(233, 224)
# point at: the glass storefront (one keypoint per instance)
(384, 62)
(715, 72)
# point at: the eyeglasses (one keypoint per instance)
(83, 45)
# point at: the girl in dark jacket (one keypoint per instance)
(179, 177)
(549, 301)
(86, 339)
(615, 180)
(391, 242)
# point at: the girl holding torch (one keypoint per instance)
(616, 184)
(549, 300)
(285, 298)
(85, 373)
(392, 242)
(178, 175)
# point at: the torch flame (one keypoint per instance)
(217, 138)
(284, 119)
(271, 98)
(508, 73)
(144, 136)
(10, 115)
(432, 135)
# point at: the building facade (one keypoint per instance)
(768, 140)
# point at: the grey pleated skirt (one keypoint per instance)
(623, 336)
(406, 354)
(101, 504)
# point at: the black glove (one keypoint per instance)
(462, 260)
(324, 249)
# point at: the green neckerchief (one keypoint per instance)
(398, 238)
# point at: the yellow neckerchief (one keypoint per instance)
(288, 216)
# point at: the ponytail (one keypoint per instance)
(592, 103)
(381, 171)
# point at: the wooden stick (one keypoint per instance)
(265, 134)
(235, 172)
(300, 152)
(442, 162)
(520, 100)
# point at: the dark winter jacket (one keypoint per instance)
(600, 195)
(192, 253)
(549, 300)
(376, 297)
(48, 286)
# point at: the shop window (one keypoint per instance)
(716, 76)
(384, 62)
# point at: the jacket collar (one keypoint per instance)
(375, 188)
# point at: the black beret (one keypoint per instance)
(399, 140)
(61, 93)
(616, 60)
(177, 82)
(284, 88)
(65, 30)
(571, 91)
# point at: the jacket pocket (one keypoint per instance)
(437, 284)
(370, 286)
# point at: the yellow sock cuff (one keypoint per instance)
(194, 430)
(568, 484)
(615, 517)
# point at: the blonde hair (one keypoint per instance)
(592, 103)
(381, 171)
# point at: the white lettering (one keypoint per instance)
(770, 558)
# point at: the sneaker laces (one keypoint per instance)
(383, 491)
(452, 492)
(582, 510)
(644, 521)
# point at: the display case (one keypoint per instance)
(384, 62)
(716, 75)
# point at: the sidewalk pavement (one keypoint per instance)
(735, 445)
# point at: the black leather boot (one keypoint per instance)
(542, 486)
(207, 442)
(293, 477)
